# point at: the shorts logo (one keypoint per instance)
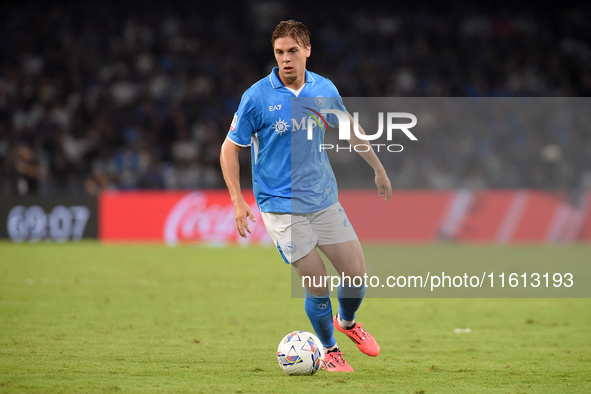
(346, 220)
(233, 125)
(290, 247)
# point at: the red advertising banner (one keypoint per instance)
(409, 216)
(500, 216)
(492, 216)
(174, 217)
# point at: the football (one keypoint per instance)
(300, 353)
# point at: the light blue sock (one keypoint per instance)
(319, 311)
(350, 298)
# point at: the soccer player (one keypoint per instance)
(316, 220)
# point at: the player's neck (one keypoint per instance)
(295, 83)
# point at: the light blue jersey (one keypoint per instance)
(290, 173)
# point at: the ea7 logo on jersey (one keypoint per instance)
(274, 107)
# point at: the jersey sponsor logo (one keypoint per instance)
(274, 107)
(306, 123)
(301, 125)
(233, 125)
(317, 117)
(309, 122)
(280, 126)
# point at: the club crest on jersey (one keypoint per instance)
(280, 126)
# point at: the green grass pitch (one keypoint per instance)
(88, 317)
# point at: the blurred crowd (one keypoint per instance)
(103, 95)
(476, 143)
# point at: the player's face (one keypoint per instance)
(291, 59)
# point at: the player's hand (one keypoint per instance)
(384, 185)
(242, 211)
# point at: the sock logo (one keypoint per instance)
(323, 305)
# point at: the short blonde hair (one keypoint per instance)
(296, 30)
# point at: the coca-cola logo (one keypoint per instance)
(196, 219)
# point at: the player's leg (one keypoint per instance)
(312, 272)
(338, 241)
(296, 242)
(317, 302)
(319, 309)
(349, 262)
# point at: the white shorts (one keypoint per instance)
(296, 235)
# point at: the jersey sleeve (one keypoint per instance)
(245, 122)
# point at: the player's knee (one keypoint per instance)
(319, 291)
(355, 271)
(355, 267)
(351, 291)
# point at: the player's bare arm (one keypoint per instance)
(231, 171)
(381, 177)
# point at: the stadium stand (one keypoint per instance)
(103, 95)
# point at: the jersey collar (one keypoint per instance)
(276, 82)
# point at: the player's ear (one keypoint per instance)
(308, 50)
